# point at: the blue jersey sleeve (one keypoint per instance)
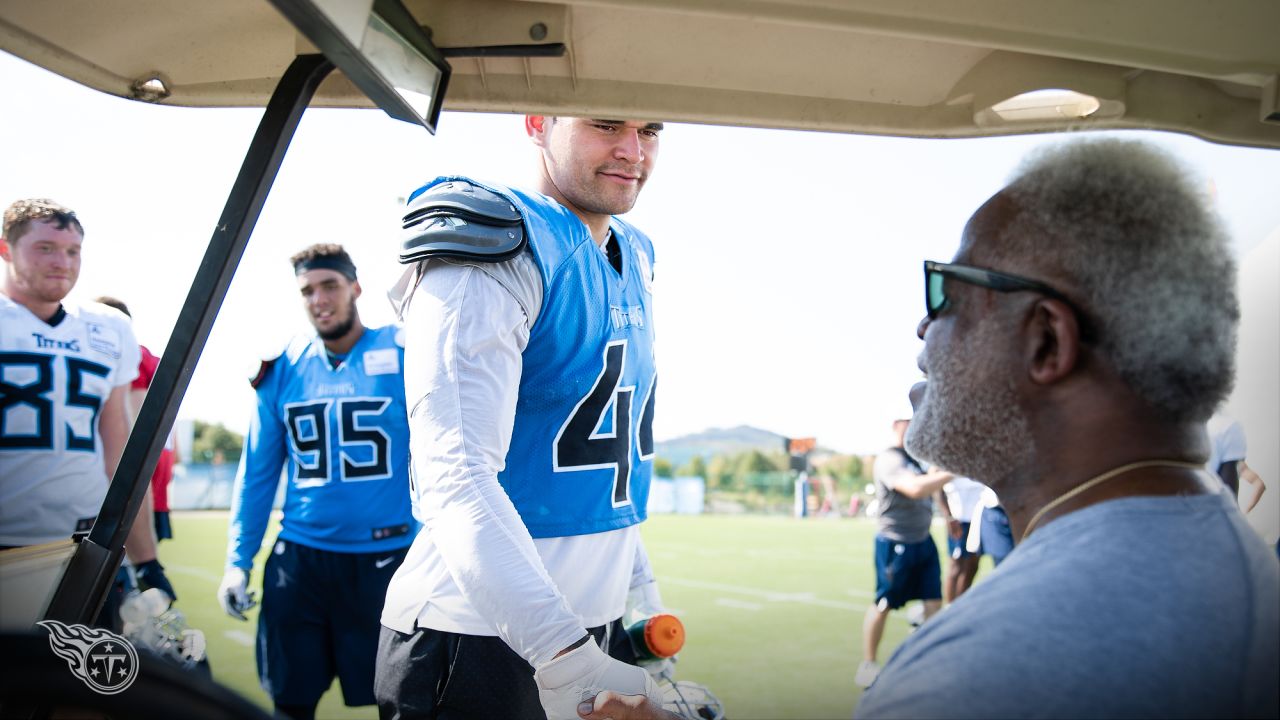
(258, 477)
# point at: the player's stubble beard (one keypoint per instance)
(970, 421)
(599, 200)
(340, 330)
(590, 194)
(32, 283)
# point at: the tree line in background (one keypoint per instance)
(752, 480)
(725, 470)
(760, 481)
(213, 443)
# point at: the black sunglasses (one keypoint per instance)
(935, 291)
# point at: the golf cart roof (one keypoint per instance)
(924, 68)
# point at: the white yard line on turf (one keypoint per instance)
(673, 549)
(739, 604)
(239, 637)
(194, 572)
(804, 598)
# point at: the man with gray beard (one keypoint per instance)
(1074, 349)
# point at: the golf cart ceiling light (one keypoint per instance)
(379, 46)
(150, 88)
(1051, 104)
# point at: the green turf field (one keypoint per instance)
(772, 606)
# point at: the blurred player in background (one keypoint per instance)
(65, 371)
(1227, 450)
(163, 473)
(330, 409)
(961, 498)
(989, 532)
(906, 557)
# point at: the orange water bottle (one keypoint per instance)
(656, 637)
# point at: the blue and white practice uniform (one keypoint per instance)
(963, 495)
(338, 427)
(989, 532)
(54, 380)
(583, 431)
(531, 383)
(342, 436)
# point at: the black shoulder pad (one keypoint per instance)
(264, 367)
(460, 220)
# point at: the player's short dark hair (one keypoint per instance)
(19, 216)
(331, 256)
(116, 303)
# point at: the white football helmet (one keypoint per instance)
(690, 700)
(150, 621)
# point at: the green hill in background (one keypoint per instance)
(718, 441)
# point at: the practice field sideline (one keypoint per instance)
(772, 607)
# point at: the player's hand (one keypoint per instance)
(610, 705)
(581, 674)
(150, 574)
(954, 528)
(233, 594)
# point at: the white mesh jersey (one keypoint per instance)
(54, 380)
(963, 495)
(1226, 442)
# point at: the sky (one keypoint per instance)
(788, 264)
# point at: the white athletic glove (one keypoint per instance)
(664, 668)
(233, 594)
(584, 672)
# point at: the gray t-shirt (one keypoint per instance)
(901, 519)
(1138, 607)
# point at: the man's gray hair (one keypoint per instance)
(1147, 258)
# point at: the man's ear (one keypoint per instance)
(355, 289)
(4, 250)
(536, 127)
(1053, 341)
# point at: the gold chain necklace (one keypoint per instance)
(1114, 472)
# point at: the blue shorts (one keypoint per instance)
(997, 538)
(320, 617)
(956, 547)
(906, 571)
(164, 526)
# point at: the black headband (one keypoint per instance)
(336, 263)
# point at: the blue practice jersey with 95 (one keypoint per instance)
(342, 434)
(54, 380)
(582, 443)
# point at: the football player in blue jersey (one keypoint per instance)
(529, 372)
(331, 410)
(65, 370)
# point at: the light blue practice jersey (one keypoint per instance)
(343, 435)
(581, 451)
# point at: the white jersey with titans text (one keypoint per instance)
(54, 379)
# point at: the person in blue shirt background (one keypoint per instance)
(331, 409)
